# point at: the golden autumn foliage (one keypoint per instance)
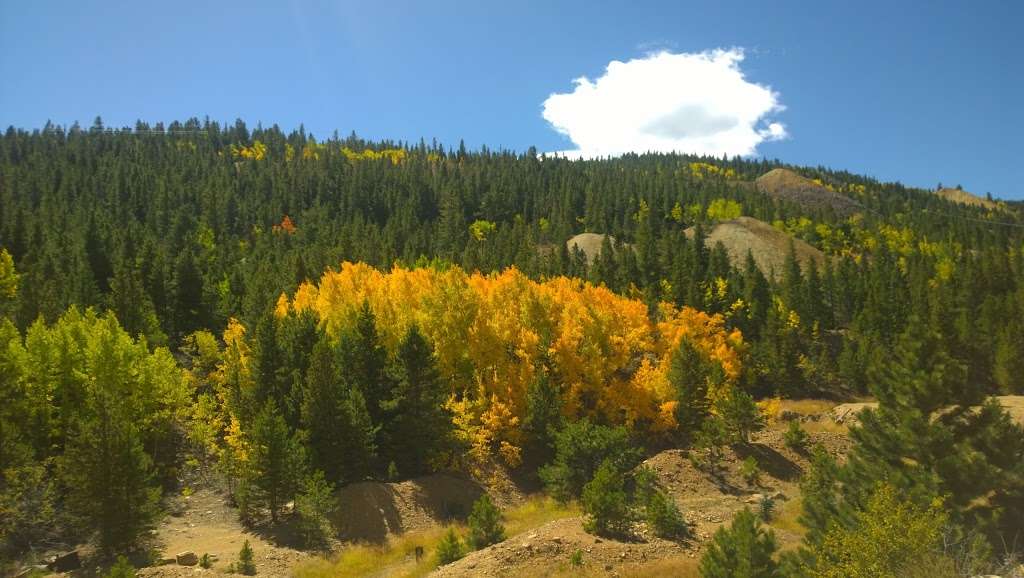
(396, 156)
(256, 152)
(704, 170)
(493, 333)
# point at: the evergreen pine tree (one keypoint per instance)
(485, 527)
(605, 502)
(276, 461)
(690, 374)
(743, 550)
(417, 426)
(334, 415)
(108, 475)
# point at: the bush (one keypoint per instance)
(743, 549)
(795, 437)
(766, 508)
(887, 538)
(750, 471)
(205, 561)
(580, 449)
(450, 549)
(485, 526)
(576, 560)
(122, 569)
(246, 564)
(605, 502)
(660, 511)
(664, 517)
(313, 506)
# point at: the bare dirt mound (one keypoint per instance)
(706, 500)
(548, 549)
(589, 243)
(372, 511)
(965, 198)
(785, 185)
(768, 245)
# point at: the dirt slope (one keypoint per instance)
(371, 511)
(769, 246)
(589, 243)
(965, 198)
(784, 184)
(707, 501)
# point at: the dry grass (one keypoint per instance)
(536, 512)
(808, 406)
(364, 559)
(676, 566)
(963, 197)
(787, 517)
(399, 552)
(825, 425)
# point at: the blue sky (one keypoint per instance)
(920, 92)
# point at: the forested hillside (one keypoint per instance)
(296, 314)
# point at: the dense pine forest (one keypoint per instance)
(295, 314)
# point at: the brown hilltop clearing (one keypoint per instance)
(965, 198)
(786, 185)
(768, 245)
(589, 243)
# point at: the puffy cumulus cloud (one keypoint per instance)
(691, 103)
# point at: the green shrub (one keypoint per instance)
(246, 564)
(580, 449)
(205, 561)
(313, 506)
(750, 471)
(664, 517)
(711, 439)
(795, 437)
(766, 508)
(485, 527)
(122, 569)
(742, 416)
(576, 560)
(450, 548)
(743, 549)
(606, 503)
(659, 510)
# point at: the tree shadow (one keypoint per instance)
(770, 461)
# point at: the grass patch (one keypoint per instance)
(363, 559)
(537, 511)
(398, 554)
(678, 566)
(787, 516)
(808, 406)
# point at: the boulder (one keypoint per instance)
(187, 559)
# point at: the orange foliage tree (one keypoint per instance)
(493, 333)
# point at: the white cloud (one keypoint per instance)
(691, 103)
